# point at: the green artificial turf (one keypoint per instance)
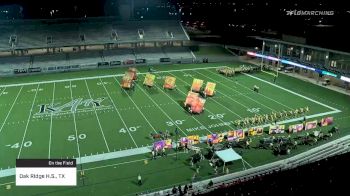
(125, 120)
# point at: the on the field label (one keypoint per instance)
(46, 172)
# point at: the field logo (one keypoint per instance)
(74, 106)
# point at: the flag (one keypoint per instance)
(197, 85)
(311, 125)
(191, 97)
(149, 79)
(209, 89)
(276, 129)
(326, 121)
(132, 71)
(169, 82)
(296, 128)
(127, 80)
(193, 138)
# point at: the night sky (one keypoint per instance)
(229, 18)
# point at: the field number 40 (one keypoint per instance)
(17, 145)
(131, 129)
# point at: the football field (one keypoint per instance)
(91, 118)
(85, 117)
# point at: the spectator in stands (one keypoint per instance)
(191, 161)
(185, 189)
(197, 169)
(210, 184)
(174, 190)
(180, 190)
(194, 176)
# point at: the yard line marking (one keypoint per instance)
(116, 109)
(137, 107)
(217, 101)
(28, 120)
(207, 109)
(8, 183)
(247, 163)
(295, 93)
(237, 91)
(74, 120)
(125, 162)
(3, 90)
(267, 97)
(183, 108)
(98, 119)
(162, 110)
(2, 126)
(101, 76)
(53, 99)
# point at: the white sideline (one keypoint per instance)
(97, 77)
(312, 100)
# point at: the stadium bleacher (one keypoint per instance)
(178, 52)
(10, 63)
(50, 60)
(33, 34)
(94, 59)
(61, 44)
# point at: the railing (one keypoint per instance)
(339, 146)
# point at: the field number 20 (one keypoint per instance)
(216, 116)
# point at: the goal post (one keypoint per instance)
(272, 64)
